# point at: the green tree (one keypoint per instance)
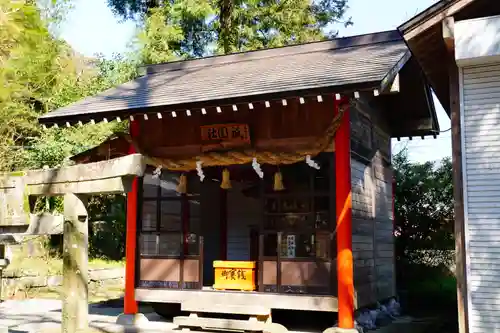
(32, 63)
(189, 28)
(40, 73)
(255, 24)
(424, 237)
(54, 146)
(175, 31)
(424, 211)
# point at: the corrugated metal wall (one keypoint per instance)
(480, 97)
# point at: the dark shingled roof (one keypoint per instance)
(344, 63)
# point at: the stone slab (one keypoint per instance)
(134, 320)
(106, 274)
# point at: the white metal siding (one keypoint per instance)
(480, 100)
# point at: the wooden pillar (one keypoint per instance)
(456, 160)
(185, 214)
(393, 202)
(223, 224)
(343, 210)
(2, 267)
(75, 264)
(130, 305)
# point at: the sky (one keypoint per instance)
(91, 28)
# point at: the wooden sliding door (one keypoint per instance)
(171, 246)
(297, 248)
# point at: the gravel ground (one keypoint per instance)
(43, 315)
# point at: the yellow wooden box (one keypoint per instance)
(234, 275)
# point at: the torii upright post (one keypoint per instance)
(75, 263)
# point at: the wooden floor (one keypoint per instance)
(210, 300)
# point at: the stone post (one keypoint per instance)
(2, 256)
(75, 264)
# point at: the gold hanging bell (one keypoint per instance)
(278, 181)
(182, 187)
(226, 181)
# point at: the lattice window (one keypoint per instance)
(170, 244)
(148, 244)
(163, 211)
(149, 214)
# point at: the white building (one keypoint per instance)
(458, 45)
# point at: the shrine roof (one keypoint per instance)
(334, 66)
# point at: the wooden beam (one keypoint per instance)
(456, 154)
(448, 29)
(389, 79)
(32, 224)
(75, 264)
(81, 178)
(45, 224)
(112, 185)
(395, 85)
(437, 18)
(130, 306)
(289, 144)
(10, 239)
(343, 209)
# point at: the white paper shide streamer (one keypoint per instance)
(200, 170)
(157, 172)
(256, 167)
(312, 163)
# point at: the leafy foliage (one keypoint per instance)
(424, 207)
(175, 31)
(191, 28)
(108, 227)
(424, 233)
(40, 73)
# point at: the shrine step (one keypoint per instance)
(250, 310)
(250, 325)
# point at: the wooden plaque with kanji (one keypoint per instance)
(224, 136)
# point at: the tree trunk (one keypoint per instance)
(226, 9)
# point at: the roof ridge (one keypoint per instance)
(332, 44)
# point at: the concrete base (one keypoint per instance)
(137, 319)
(340, 330)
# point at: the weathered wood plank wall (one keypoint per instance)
(371, 174)
(278, 127)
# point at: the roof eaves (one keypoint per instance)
(62, 119)
(432, 16)
(390, 76)
(425, 14)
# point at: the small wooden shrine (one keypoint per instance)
(269, 183)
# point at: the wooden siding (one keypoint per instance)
(279, 128)
(243, 213)
(371, 175)
(480, 100)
